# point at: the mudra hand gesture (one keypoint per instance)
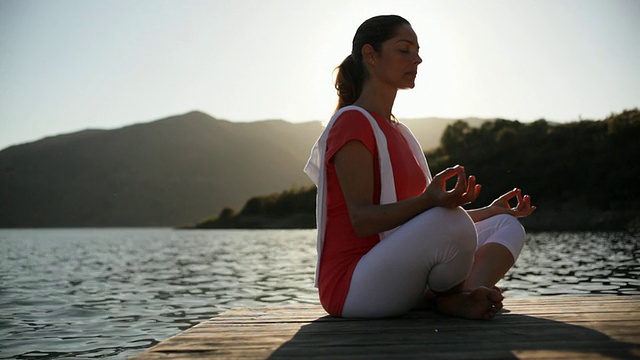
(523, 208)
(464, 192)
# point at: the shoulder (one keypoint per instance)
(350, 125)
(351, 118)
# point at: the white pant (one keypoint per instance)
(434, 249)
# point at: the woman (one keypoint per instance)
(388, 233)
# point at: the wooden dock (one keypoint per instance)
(532, 328)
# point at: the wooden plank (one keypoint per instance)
(532, 328)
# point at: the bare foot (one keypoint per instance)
(481, 304)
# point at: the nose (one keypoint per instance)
(418, 60)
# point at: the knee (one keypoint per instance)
(458, 228)
(512, 233)
(511, 223)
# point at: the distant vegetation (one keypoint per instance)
(582, 175)
(293, 208)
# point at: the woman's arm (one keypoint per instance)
(354, 167)
(501, 206)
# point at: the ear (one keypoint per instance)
(368, 53)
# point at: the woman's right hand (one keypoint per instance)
(464, 192)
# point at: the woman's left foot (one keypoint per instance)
(480, 304)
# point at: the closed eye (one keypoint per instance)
(410, 43)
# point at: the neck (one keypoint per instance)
(377, 99)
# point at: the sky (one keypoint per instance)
(69, 65)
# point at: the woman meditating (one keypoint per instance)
(390, 235)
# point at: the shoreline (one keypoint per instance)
(550, 220)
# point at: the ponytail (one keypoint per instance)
(349, 80)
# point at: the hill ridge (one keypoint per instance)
(170, 171)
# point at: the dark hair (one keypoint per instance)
(351, 72)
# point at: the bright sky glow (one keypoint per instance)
(67, 65)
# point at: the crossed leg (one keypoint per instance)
(436, 248)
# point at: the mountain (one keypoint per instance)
(171, 171)
(168, 172)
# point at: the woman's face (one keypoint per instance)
(396, 65)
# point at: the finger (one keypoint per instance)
(447, 174)
(471, 185)
(461, 183)
(470, 193)
(527, 201)
(519, 196)
(477, 192)
(522, 201)
(508, 195)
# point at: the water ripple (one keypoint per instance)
(109, 293)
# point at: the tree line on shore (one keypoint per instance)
(582, 175)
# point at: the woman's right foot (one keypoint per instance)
(480, 304)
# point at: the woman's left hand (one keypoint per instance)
(523, 208)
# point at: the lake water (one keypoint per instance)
(112, 293)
